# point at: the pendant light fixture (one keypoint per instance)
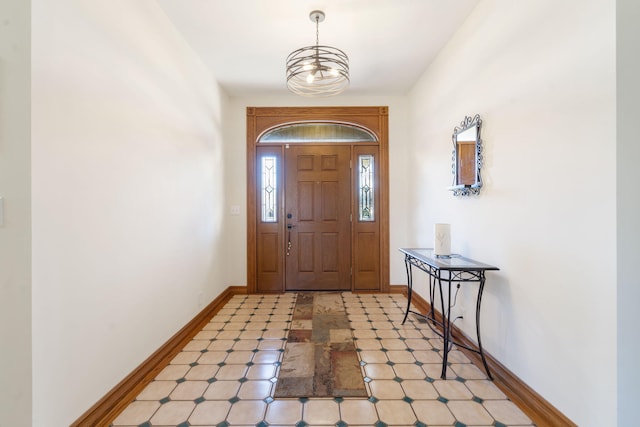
(317, 71)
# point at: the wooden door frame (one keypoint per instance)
(261, 119)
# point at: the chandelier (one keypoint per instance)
(317, 70)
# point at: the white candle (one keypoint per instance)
(442, 239)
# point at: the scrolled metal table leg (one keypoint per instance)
(407, 265)
(446, 326)
(478, 302)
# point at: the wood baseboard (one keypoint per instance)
(541, 412)
(103, 412)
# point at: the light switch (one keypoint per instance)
(235, 209)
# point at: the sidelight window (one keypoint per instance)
(269, 189)
(366, 193)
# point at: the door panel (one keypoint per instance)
(317, 205)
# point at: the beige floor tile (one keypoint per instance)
(189, 390)
(172, 413)
(256, 390)
(387, 333)
(386, 389)
(206, 335)
(275, 334)
(261, 372)
(419, 389)
(271, 344)
(222, 390)
(468, 371)
(410, 333)
(409, 371)
(470, 412)
(231, 372)
(395, 412)
(433, 412)
(452, 389)
(373, 356)
(173, 372)
(362, 334)
(255, 326)
(434, 370)
(247, 412)
(284, 412)
(456, 356)
(278, 325)
(381, 325)
(251, 334)
(212, 357)
(196, 345)
(228, 335)
(378, 371)
(246, 345)
(234, 326)
(220, 345)
(401, 356)
(506, 412)
(368, 344)
(418, 344)
(202, 372)
(393, 344)
(358, 412)
(209, 413)
(428, 356)
(157, 390)
(484, 389)
(321, 412)
(136, 413)
(266, 356)
(361, 325)
(186, 357)
(240, 357)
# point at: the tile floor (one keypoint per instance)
(226, 375)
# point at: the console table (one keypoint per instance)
(446, 271)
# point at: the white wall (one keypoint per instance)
(15, 231)
(541, 73)
(127, 196)
(628, 233)
(236, 178)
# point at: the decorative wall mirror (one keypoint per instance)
(467, 157)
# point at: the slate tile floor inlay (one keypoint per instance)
(228, 375)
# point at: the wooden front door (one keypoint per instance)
(317, 209)
(317, 199)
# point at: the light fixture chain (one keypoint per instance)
(317, 30)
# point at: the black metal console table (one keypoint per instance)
(446, 270)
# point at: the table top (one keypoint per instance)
(453, 262)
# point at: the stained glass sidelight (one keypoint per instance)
(269, 190)
(366, 188)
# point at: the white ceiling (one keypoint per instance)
(245, 42)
